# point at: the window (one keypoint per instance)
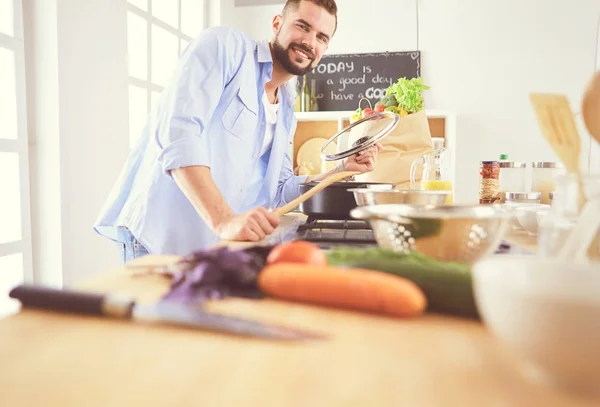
(157, 32)
(15, 230)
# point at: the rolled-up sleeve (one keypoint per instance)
(192, 96)
(288, 186)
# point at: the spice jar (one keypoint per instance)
(489, 182)
(543, 176)
(513, 176)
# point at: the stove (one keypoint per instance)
(329, 233)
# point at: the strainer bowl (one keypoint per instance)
(459, 233)
(370, 196)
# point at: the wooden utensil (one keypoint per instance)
(590, 109)
(322, 185)
(558, 127)
(556, 120)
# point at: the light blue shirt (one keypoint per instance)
(209, 114)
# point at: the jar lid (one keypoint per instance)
(509, 196)
(513, 164)
(489, 162)
(545, 164)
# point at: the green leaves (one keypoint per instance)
(408, 93)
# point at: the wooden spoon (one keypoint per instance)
(308, 194)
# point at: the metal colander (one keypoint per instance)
(445, 232)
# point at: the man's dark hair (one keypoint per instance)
(328, 5)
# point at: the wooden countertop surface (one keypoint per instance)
(55, 360)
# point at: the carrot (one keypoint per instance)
(349, 288)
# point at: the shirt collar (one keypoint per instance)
(264, 51)
(288, 89)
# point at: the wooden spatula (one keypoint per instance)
(308, 194)
(555, 118)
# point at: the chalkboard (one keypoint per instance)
(342, 80)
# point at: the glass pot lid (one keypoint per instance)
(361, 135)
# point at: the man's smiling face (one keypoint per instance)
(302, 37)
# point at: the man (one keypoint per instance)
(213, 155)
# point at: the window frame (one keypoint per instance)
(147, 84)
(20, 145)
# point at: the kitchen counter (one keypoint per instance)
(57, 360)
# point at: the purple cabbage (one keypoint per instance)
(218, 273)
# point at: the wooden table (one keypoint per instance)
(56, 360)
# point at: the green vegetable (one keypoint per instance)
(423, 227)
(447, 285)
(408, 93)
(389, 100)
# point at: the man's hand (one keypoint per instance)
(252, 225)
(363, 161)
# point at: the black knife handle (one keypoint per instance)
(69, 301)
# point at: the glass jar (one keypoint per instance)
(513, 176)
(555, 225)
(543, 175)
(489, 182)
(522, 197)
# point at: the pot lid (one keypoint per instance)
(361, 135)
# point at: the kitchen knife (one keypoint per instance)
(124, 307)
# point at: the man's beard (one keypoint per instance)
(283, 56)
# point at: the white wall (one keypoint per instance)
(77, 77)
(41, 54)
(94, 124)
(481, 58)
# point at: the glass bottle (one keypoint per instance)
(314, 105)
(305, 95)
(298, 101)
(435, 175)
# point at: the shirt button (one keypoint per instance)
(254, 155)
(263, 124)
(242, 190)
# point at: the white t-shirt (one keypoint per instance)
(271, 119)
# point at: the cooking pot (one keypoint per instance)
(336, 201)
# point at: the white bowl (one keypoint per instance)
(548, 312)
(528, 217)
(512, 207)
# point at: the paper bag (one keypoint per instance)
(410, 139)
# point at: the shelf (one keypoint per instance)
(336, 115)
